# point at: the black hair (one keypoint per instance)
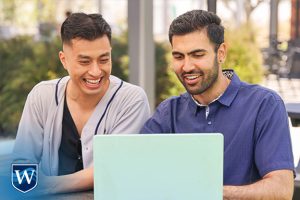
(198, 20)
(85, 26)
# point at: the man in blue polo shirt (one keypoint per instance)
(258, 160)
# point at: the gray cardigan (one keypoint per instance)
(39, 133)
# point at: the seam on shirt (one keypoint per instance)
(265, 112)
(277, 166)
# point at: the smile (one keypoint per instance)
(92, 81)
(192, 77)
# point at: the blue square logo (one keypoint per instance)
(24, 177)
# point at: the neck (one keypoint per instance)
(214, 91)
(85, 101)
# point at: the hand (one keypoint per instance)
(78, 181)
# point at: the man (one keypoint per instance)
(258, 160)
(61, 116)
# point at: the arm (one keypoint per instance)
(131, 117)
(78, 181)
(29, 140)
(272, 156)
(277, 184)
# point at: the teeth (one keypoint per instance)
(192, 77)
(92, 81)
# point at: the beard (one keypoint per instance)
(208, 78)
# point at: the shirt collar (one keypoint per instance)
(227, 97)
(232, 89)
(203, 105)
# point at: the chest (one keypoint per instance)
(233, 124)
(79, 115)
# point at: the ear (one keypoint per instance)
(222, 52)
(62, 58)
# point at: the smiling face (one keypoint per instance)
(88, 64)
(195, 61)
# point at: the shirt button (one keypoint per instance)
(209, 122)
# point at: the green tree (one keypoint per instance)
(24, 62)
(8, 8)
(167, 83)
(244, 55)
(120, 58)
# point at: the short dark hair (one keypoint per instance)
(198, 20)
(85, 26)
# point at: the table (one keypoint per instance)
(86, 195)
(293, 110)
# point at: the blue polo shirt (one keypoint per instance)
(252, 119)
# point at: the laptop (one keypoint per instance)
(158, 167)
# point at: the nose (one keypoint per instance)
(95, 69)
(188, 65)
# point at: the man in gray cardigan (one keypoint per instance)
(61, 116)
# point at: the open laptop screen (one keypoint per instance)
(158, 167)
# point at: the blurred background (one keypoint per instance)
(263, 38)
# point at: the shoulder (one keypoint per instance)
(175, 100)
(46, 91)
(47, 86)
(260, 93)
(260, 100)
(162, 120)
(245, 93)
(250, 92)
(132, 90)
(173, 103)
(128, 91)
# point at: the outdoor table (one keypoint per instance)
(293, 110)
(85, 195)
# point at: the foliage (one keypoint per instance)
(8, 10)
(244, 55)
(120, 58)
(166, 84)
(24, 62)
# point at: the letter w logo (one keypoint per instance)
(20, 180)
(29, 172)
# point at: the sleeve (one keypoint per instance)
(158, 122)
(273, 149)
(133, 113)
(29, 140)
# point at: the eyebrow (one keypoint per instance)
(191, 52)
(83, 57)
(105, 54)
(88, 57)
(176, 52)
(197, 51)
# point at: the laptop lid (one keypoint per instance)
(158, 167)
